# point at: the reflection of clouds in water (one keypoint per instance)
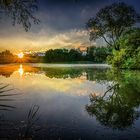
(35, 82)
(44, 85)
(82, 92)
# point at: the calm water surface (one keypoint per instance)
(72, 102)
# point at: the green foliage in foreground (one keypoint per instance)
(129, 54)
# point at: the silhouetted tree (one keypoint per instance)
(111, 21)
(21, 11)
(6, 57)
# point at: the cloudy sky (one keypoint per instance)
(62, 25)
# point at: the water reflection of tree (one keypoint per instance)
(118, 107)
(62, 72)
(90, 73)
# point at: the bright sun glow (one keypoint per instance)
(20, 70)
(20, 55)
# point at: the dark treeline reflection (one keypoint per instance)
(118, 107)
(57, 72)
(89, 73)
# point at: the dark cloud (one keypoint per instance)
(60, 17)
(70, 1)
(64, 15)
(68, 14)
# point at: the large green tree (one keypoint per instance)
(111, 21)
(129, 54)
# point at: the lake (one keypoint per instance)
(69, 102)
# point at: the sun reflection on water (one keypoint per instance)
(21, 70)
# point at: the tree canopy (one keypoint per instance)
(111, 22)
(62, 55)
(92, 54)
(21, 11)
(129, 54)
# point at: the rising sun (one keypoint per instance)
(20, 55)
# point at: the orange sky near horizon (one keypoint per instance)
(42, 41)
